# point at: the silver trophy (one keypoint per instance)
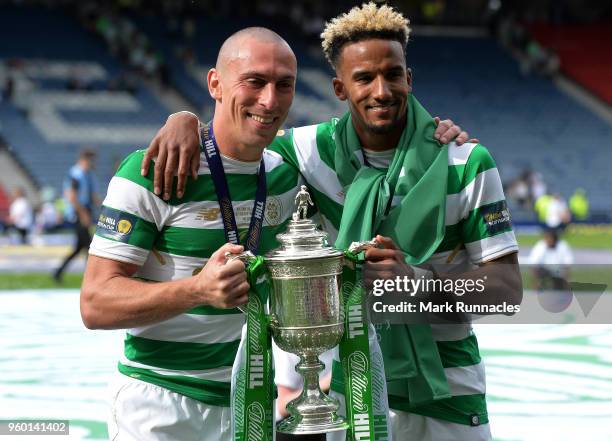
(307, 315)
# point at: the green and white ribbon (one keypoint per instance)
(253, 391)
(356, 359)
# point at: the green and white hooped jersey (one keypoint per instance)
(477, 224)
(192, 353)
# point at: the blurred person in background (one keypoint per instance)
(48, 218)
(551, 258)
(537, 186)
(81, 197)
(21, 215)
(541, 207)
(518, 190)
(579, 205)
(557, 214)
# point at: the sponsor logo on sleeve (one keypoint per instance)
(115, 224)
(496, 217)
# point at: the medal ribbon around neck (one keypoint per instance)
(253, 395)
(217, 172)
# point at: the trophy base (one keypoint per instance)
(311, 426)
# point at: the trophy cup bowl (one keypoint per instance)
(307, 318)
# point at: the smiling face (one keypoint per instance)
(253, 87)
(372, 77)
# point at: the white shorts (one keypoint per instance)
(406, 425)
(410, 426)
(144, 411)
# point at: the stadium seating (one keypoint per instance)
(582, 50)
(525, 121)
(5, 204)
(46, 124)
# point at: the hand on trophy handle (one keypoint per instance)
(222, 284)
(357, 247)
(245, 257)
(385, 262)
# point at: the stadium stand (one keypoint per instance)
(46, 122)
(5, 204)
(582, 52)
(525, 120)
(190, 60)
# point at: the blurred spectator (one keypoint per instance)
(551, 258)
(519, 190)
(21, 214)
(433, 10)
(81, 194)
(8, 88)
(557, 213)
(541, 207)
(540, 60)
(47, 217)
(537, 186)
(579, 205)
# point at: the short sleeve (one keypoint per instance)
(486, 229)
(131, 216)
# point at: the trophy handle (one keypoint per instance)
(357, 247)
(245, 257)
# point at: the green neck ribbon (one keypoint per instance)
(253, 397)
(419, 170)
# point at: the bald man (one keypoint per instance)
(157, 267)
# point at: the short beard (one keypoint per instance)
(382, 130)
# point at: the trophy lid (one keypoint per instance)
(302, 240)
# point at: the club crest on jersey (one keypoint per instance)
(274, 210)
(115, 224)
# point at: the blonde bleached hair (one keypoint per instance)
(363, 23)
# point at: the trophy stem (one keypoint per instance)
(312, 411)
(309, 367)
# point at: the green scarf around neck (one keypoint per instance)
(419, 170)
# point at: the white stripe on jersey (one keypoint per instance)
(161, 266)
(216, 374)
(110, 249)
(193, 214)
(132, 198)
(459, 154)
(320, 176)
(493, 247)
(485, 189)
(194, 328)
